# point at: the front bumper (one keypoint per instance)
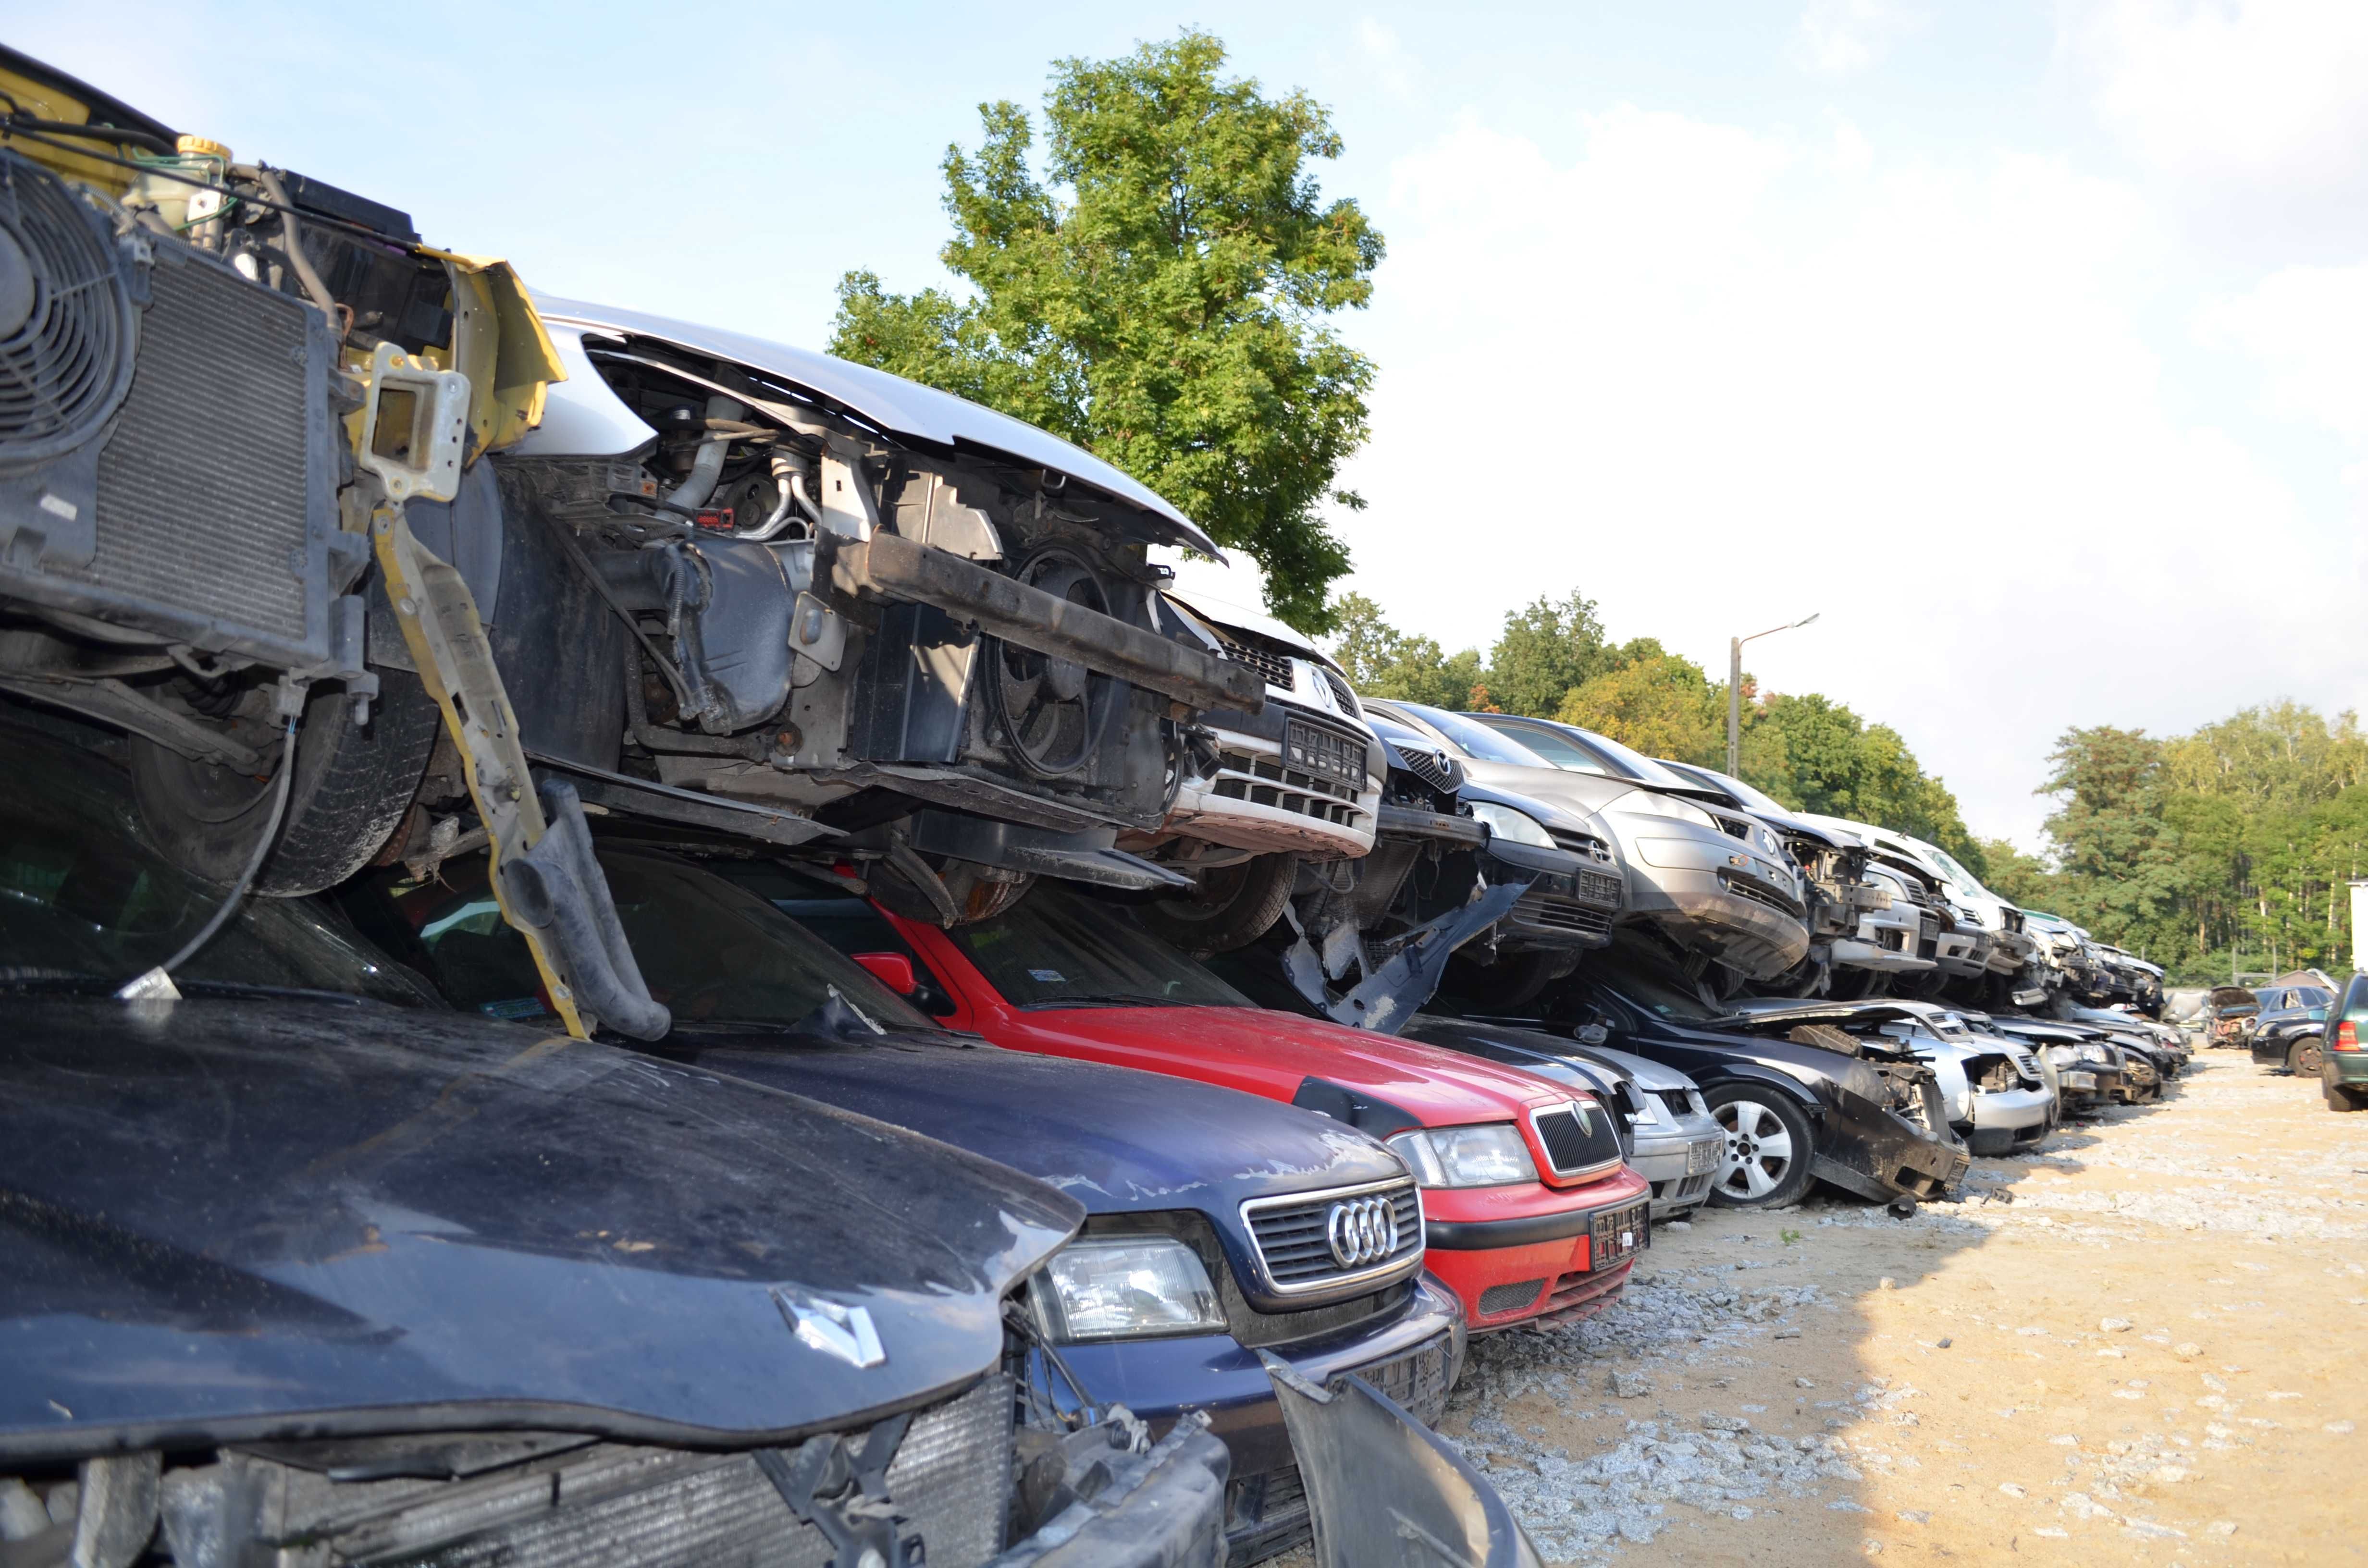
(1698, 885)
(1263, 799)
(1416, 1357)
(2008, 1120)
(1863, 1148)
(1161, 1509)
(1570, 905)
(1678, 1166)
(1513, 1257)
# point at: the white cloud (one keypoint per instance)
(2308, 328)
(1381, 52)
(1717, 379)
(2257, 110)
(1842, 38)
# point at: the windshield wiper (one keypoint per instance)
(1108, 999)
(67, 983)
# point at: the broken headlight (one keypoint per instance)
(1506, 822)
(1489, 1155)
(1126, 1288)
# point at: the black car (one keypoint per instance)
(1871, 1122)
(1168, 1298)
(291, 1259)
(2286, 1030)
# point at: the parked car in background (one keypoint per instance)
(448, 1288)
(1212, 1218)
(2230, 1016)
(2343, 1064)
(1709, 889)
(2288, 1031)
(1529, 1211)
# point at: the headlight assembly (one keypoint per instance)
(1506, 822)
(1126, 1288)
(1648, 1111)
(2100, 1055)
(1489, 1155)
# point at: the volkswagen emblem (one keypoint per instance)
(1361, 1230)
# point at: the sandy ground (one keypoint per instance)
(2142, 1344)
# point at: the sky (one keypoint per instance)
(2022, 342)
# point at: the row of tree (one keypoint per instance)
(1553, 661)
(2229, 849)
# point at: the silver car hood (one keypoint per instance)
(898, 407)
(1647, 1072)
(1581, 793)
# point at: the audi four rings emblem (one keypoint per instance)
(1362, 1231)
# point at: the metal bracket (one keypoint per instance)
(844, 1494)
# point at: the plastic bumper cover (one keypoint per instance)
(1863, 1148)
(1161, 1509)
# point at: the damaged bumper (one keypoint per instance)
(2008, 1120)
(1678, 1167)
(1389, 1494)
(1867, 1150)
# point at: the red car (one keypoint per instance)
(1529, 1211)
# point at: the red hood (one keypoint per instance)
(1272, 1053)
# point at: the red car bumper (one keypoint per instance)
(1522, 1254)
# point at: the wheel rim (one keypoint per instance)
(1759, 1153)
(2306, 1059)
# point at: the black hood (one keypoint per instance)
(1527, 1050)
(223, 1220)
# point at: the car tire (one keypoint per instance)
(1232, 907)
(1773, 1171)
(2339, 1098)
(2307, 1057)
(353, 783)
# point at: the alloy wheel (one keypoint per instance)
(1760, 1152)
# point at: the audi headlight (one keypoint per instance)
(1506, 822)
(1126, 1288)
(1492, 1155)
(1645, 803)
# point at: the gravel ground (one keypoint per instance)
(2130, 1346)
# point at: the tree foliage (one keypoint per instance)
(2229, 848)
(1159, 296)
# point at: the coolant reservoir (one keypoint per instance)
(182, 206)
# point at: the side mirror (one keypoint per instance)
(894, 970)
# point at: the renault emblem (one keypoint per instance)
(1361, 1230)
(835, 1330)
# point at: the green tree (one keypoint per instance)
(1544, 651)
(1659, 703)
(1838, 764)
(2020, 879)
(1381, 661)
(1160, 296)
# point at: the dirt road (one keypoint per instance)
(2144, 1344)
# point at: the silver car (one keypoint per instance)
(1715, 885)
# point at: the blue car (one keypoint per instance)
(1215, 1220)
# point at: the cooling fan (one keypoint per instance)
(1051, 712)
(68, 343)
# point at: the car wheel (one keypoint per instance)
(1232, 907)
(2340, 1099)
(1769, 1142)
(352, 785)
(2307, 1057)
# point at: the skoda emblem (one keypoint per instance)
(835, 1330)
(1361, 1230)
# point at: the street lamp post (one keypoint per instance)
(1735, 690)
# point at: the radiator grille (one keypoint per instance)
(1579, 1138)
(1510, 1298)
(1272, 664)
(1562, 914)
(1584, 843)
(1746, 887)
(1293, 1237)
(623, 1506)
(204, 488)
(1435, 768)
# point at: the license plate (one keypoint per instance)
(1705, 1156)
(1619, 1234)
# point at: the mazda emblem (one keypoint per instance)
(1362, 1231)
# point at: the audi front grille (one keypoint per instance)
(1295, 1237)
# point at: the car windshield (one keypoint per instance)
(1957, 873)
(1057, 948)
(1474, 739)
(712, 952)
(1554, 746)
(1634, 764)
(88, 900)
(1744, 795)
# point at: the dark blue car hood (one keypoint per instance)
(1117, 1140)
(226, 1219)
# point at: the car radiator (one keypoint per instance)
(554, 1500)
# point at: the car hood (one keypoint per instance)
(1116, 1140)
(1524, 1051)
(898, 407)
(1583, 793)
(229, 1221)
(1278, 1055)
